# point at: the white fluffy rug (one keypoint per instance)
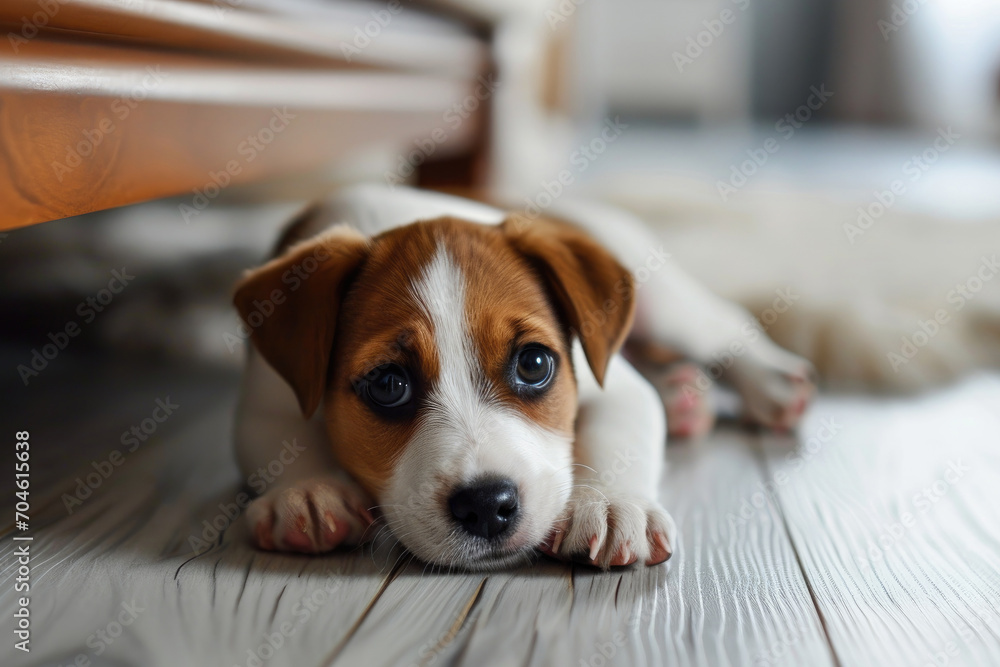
(911, 302)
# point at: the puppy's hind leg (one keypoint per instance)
(687, 392)
(676, 311)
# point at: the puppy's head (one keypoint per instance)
(441, 353)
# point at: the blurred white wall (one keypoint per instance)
(669, 57)
(918, 63)
(948, 59)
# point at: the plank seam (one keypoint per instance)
(776, 502)
(457, 625)
(389, 578)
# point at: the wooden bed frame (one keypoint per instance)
(105, 103)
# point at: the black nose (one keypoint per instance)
(486, 509)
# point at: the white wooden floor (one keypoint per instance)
(873, 539)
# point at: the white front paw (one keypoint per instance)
(310, 516)
(605, 527)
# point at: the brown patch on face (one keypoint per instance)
(593, 291)
(380, 321)
(507, 309)
(290, 307)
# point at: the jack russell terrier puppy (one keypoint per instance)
(456, 372)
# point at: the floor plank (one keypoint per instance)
(731, 595)
(892, 506)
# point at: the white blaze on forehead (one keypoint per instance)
(471, 426)
(465, 432)
(460, 386)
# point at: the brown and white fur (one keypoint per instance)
(451, 290)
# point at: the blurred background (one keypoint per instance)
(846, 150)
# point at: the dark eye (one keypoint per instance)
(389, 386)
(534, 367)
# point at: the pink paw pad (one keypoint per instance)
(297, 537)
(334, 530)
(687, 402)
(660, 551)
(624, 556)
(263, 536)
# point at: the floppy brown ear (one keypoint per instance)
(593, 290)
(290, 307)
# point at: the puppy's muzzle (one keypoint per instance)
(486, 508)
